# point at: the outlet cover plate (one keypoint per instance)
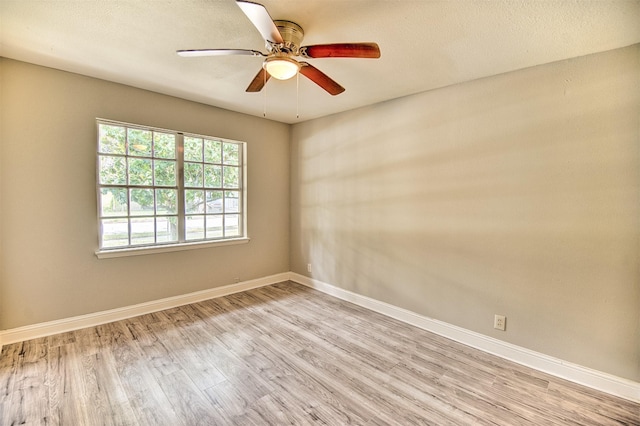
(500, 322)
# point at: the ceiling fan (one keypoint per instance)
(282, 41)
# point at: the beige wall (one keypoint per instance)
(517, 194)
(2, 83)
(48, 216)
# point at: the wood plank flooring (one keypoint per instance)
(282, 354)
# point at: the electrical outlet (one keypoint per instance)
(500, 322)
(308, 267)
(236, 280)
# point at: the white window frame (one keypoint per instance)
(182, 243)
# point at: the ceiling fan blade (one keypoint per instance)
(261, 19)
(341, 50)
(320, 78)
(218, 52)
(259, 81)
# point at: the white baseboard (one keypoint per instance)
(34, 331)
(598, 380)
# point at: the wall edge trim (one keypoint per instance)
(48, 328)
(598, 380)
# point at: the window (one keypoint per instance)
(160, 187)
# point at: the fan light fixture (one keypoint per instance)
(283, 41)
(281, 67)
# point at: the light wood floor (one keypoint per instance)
(282, 354)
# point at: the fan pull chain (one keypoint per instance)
(264, 95)
(297, 95)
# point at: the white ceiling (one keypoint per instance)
(425, 44)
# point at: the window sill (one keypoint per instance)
(139, 251)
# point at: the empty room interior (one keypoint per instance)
(433, 219)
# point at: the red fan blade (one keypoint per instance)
(259, 81)
(218, 52)
(341, 50)
(261, 19)
(320, 78)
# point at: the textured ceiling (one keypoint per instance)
(425, 44)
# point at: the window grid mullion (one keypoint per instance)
(154, 187)
(126, 175)
(181, 199)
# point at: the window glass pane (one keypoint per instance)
(194, 201)
(115, 232)
(167, 229)
(165, 172)
(214, 226)
(212, 176)
(231, 153)
(231, 202)
(166, 201)
(113, 170)
(192, 149)
(140, 172)
(193, 175)
(212, 151)
(164, 145)
(231, 225)
(231, 175)
(194, 227)
(214, 201)
(112, 140)
(113, 202)
(145, 199)
(139, 142)
(141, 202)
(142, 231)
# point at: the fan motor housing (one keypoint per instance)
(292, 34)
